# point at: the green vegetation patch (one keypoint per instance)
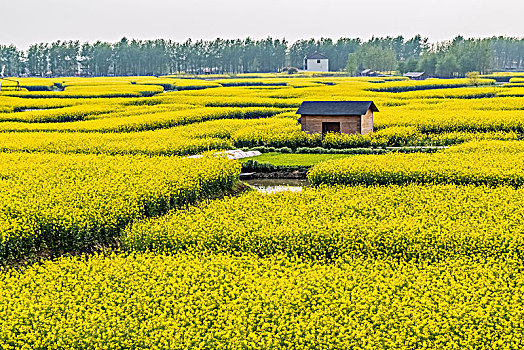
(292, 160)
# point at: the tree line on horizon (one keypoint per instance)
(162, 57)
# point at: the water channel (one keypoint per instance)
(270, 186)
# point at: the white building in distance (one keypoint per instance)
(316, 62)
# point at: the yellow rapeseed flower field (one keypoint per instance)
(501, 163)
(157, 301)
(62, 202)
(415, 222)
(389, 251)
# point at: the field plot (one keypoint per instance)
(61, 203)
(417, 113)
(411, 236)
(409, 223)
(161, 301)
(488, 163)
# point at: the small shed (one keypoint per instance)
(368, 73)
(416, 75)
(316, 62)
(347, 117)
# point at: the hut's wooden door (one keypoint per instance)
(330, 127)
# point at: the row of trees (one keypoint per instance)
(447, 59)
(459, 57)
(146, 57)
(158, 57)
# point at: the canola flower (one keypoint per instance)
(427, 84)
(65, 114)
(503, 164)
(62, 202)
(92, 91)
(503, 75)
(193, 84)
(188, 139)
(173, 141)
(157, 301)
(435, 111)
(415, 222)
(450, 120)
(426, 266)
(180, 115)
(281, 130)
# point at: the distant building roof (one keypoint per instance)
(316, 56)
(368, 72)
(336, 107)
(414, 74)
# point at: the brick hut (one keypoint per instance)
(347, 117)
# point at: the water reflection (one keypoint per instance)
(269, 186)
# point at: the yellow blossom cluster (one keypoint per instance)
(502, 163)
(420, 251)
(62, 202)
(415, 222)
(156, 301)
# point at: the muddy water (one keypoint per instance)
(269, 186)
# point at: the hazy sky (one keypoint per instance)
(23, 22)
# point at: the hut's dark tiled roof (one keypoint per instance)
(336, 107)
(316, 56)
